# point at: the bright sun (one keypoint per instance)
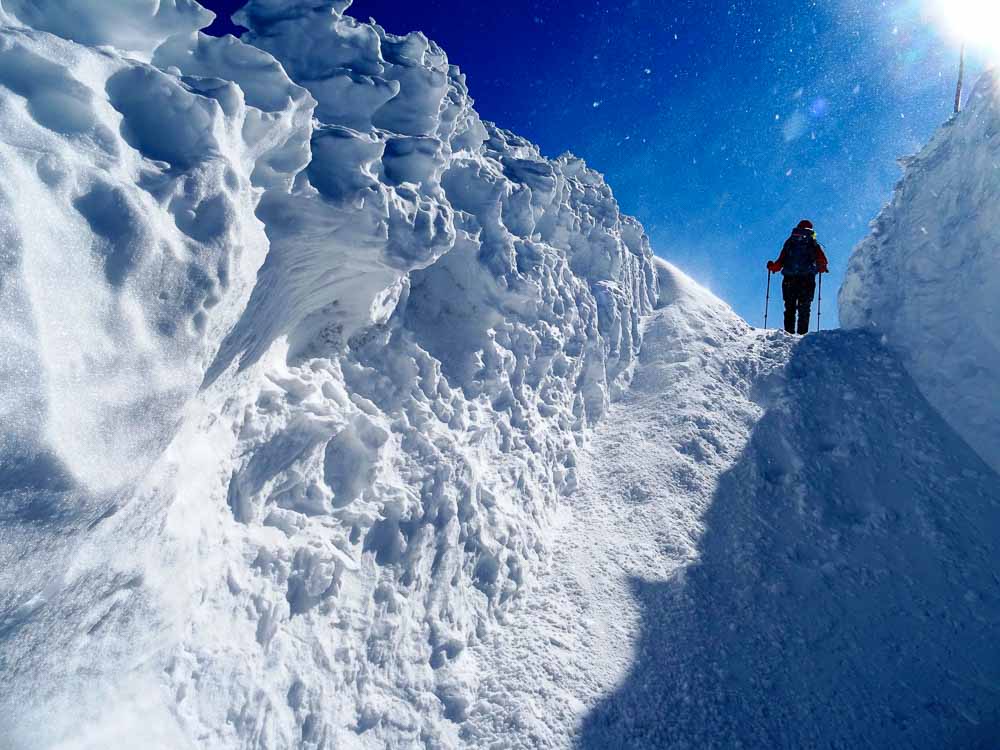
(973, 22)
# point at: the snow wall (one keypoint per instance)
(297, 354)
(928, 277)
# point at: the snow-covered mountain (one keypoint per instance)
(335, 417)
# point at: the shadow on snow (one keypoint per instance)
(845, 594)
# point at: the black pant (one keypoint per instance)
(798, 292)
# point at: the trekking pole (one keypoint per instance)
(819, 306)
(767, 300)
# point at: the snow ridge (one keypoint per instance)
(926, 277)
(301, 356)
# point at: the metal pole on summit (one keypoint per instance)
(819, 306)
(961, 77)
(767, 300)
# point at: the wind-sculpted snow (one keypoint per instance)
(134, 25)
(130, 245)
(298, 354)
(927, 277)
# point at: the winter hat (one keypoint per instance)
(805, 224)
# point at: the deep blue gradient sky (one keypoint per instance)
(718, 124)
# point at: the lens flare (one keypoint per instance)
(972, 22)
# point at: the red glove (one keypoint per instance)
(823, 269)
(772, 266)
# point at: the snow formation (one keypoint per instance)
(927, 276)
(297, 357)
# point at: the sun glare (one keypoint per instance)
(972, 22)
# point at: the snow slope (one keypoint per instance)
(927, 277)
(776, 543)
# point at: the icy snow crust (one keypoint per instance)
(927, 276)
(297, 357)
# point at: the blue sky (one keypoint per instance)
(718, 124)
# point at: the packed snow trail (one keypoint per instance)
(777, 543)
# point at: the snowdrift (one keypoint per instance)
(297, 356)
(926, 278)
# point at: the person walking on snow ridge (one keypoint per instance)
(801, 258)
